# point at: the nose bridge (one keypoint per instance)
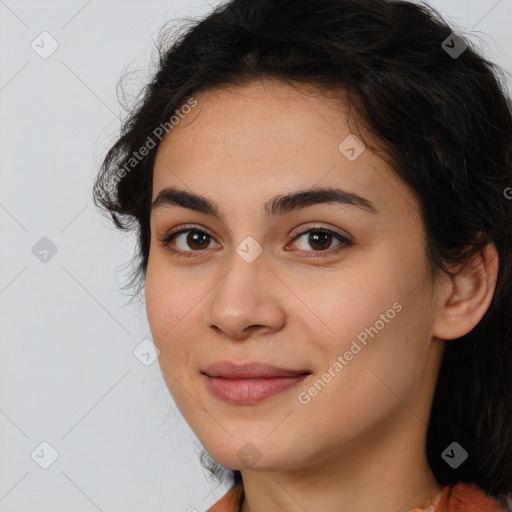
(245, 274)
(245, 295)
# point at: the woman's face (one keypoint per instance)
(251, 285)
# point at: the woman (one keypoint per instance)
(322, 193)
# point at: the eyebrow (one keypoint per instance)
(278, 205)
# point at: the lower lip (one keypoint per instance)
(248, 391)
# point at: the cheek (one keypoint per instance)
(371, 383)
(166, 295)
(171, 306)
(379, 322)
(165, 320)
(347, 304)
(166, 308)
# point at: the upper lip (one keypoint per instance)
(253, 370)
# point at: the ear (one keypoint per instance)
(468, 295)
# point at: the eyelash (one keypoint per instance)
(169, 237)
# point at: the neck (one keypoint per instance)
(389, 474)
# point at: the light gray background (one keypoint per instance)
(68, 375)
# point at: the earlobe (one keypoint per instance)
(467, 299)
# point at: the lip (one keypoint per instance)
(253, 370)
(250, 382)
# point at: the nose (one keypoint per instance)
(247, 299)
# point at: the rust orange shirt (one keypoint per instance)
(459, 498)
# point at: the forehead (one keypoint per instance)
(265, 118)
(255, 140)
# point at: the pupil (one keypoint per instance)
(193, 237)
(313, 239)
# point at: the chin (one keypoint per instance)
(244, 454)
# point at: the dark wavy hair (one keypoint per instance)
(444, 123)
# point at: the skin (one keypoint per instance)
(359, 444)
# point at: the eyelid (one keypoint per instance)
(170, 235)
(304, 228)
(186, 227)
(345, 240)
(297, 231)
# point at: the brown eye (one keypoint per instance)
(195, 240)
(320, 241)
(189, 240)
